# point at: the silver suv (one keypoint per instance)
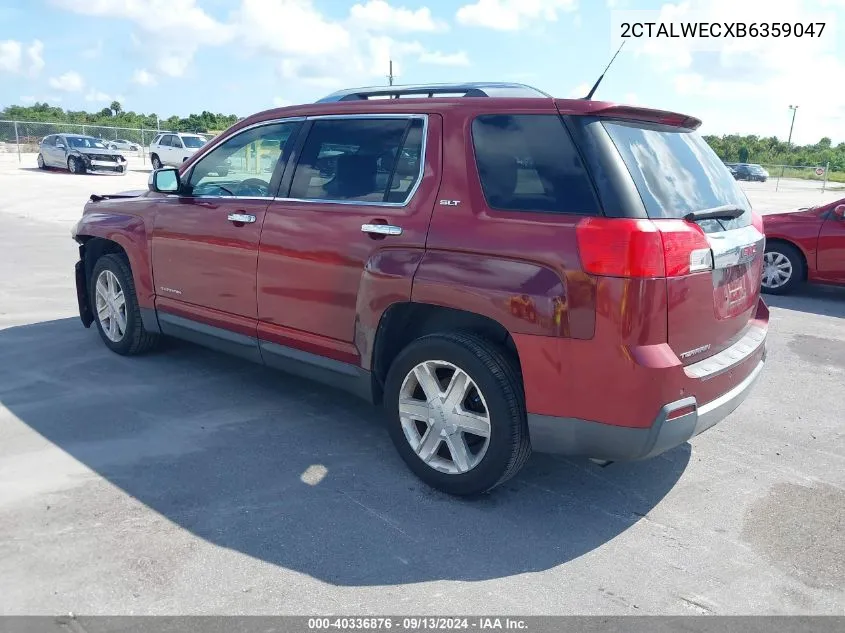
(174, 148)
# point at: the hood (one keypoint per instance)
(123, 194)
(805, 212)
(93, 151)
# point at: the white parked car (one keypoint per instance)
(122, 143)
(174, 148)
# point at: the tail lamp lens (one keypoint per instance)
(617, 247)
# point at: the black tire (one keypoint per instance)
(796, 261)
(40, 161)
(75, 165)
(136, 340)
(155, 161)
(499, 381)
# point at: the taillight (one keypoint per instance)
(757, 221)
(617, 247)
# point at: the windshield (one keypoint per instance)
(677, 173)
(193, 141)
(82, 142)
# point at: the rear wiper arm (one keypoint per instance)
(727, 212)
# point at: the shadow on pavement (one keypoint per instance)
(822, 300)
(298, 475)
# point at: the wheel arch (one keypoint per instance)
(770, 241)
(403, 322)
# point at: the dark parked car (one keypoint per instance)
(750, 172)
(804, 245)
(79, 154)
(500, 273)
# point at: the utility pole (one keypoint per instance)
(390, 76)
(794, 109)
(791, 125)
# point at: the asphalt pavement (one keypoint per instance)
(186, 481)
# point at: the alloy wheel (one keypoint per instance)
(777, 270)
(111, 306)
(444, 417)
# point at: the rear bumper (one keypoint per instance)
(574, 437)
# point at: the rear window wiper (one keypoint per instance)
(727, 212)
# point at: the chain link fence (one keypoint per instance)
(24, 137)
(785, 177)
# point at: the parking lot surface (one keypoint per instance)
(190, 482)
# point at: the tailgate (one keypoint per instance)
(710, 311)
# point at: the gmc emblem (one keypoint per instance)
(747, 253)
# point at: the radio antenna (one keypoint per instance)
(598, 81)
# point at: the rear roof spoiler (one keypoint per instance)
(632, 113)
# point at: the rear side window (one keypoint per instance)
(529, 163)
(364, 160)
(676, 172)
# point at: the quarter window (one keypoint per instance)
(529, 163)
(243, 165)
(364, 160)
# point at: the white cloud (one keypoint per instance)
(378, 15)
(10, 56)
(445, 59)
(97, 96)
(746, 84)
(579, 91)
(13, 60)
(174, 29)
(69, 82)
(143, 77)
(512, 15)
(28, 99)
(279, 102)
(35, 55)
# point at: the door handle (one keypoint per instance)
(381, 229)
(241, 218)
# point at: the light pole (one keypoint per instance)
(794, 109)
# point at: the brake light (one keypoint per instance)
(617, 247)
(757, 221)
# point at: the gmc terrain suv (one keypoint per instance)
(499, 269)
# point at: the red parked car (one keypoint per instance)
(499, 269)
(805, 245)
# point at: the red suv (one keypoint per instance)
(499, 269)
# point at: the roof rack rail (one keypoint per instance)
(472, 89)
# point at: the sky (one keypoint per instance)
(242, 56)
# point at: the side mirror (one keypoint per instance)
(165, 180)
(839, 211)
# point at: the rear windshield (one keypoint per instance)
(193, 142)
(676, 173)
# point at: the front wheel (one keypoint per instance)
(40, 161)
(116, 310)
(75, 165)
(456, 413)
(783, 268)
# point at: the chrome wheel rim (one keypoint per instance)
(444, 417)
(777, 270)
(72, 165)
(40, 161)
(111, 306)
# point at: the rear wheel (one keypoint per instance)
(155, 161)
(456, 413)
(783, 268)
(116, 310)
